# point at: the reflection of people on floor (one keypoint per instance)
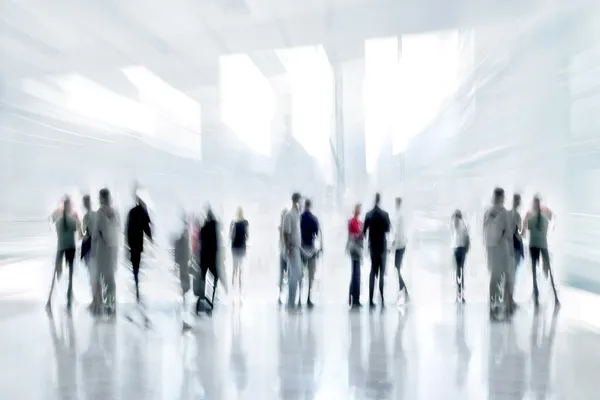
(97, 360)
(542, 345)
(462, 349)
(506, 364)
(378, 381)
(309, 359)
(238, 354)
(356, 372)
(290, 360)
(400, 361)
(65, 355)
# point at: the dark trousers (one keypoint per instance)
(398, 256)
(135, 256)
(460, 255)
(355, 282)
(69, 257)
(535, 253)
(378, 259)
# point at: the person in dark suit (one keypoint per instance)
(138, 225)
(377, 226)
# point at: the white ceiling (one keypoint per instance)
(60, 36)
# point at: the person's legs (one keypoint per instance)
(236, 260)
(546, 262)
(398, 257)
(534, 252)
(70, 256)
(355, 283)
(282, 269)
(382, 265)
(311, 266)
(294, 265)
(459, 257)
(136, 258)
(375, 262)
(55, 275)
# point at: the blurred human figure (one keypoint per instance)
(138, 224)
(537, 225)
(181, 254)
(239, 234)
(282, 255)
(377, 226)
(460, 243)
(309, 231)
(517, 243)
(209, 255)
(86, 244)
(105, 251)
(67, 225)
(354, 248)
(399, 247)
(498, 237)
(292, 240)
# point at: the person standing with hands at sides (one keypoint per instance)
(138, 224)
(377, 226)
(460, 244)
(310, 229)
(291, 239)
(498, 238)
(355, 250)
(67, 225)
(399, 246)
(239, 236)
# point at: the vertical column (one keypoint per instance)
(213, 129)
(349, 138)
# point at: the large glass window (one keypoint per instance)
(247, 101)
(311, 81)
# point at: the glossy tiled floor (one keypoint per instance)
(430, 350)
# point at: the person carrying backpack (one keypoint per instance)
(498, 235)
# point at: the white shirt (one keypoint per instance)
(459, 233)
(400, 238)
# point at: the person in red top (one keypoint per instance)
(355, 248)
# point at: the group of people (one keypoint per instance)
(197, 244)
(100, 234)
(299, 230)
(503, 229)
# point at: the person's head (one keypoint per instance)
(377, 198)
(537, 204)
(296, 198)
(398, 202)
(87, 202)
(239, 214)
(498, 198)
(104, 197)
(516, 201)
(357, 209)
(457, 216)
(307, 204)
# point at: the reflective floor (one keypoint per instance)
(431, 349)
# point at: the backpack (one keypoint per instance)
(493, 228)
